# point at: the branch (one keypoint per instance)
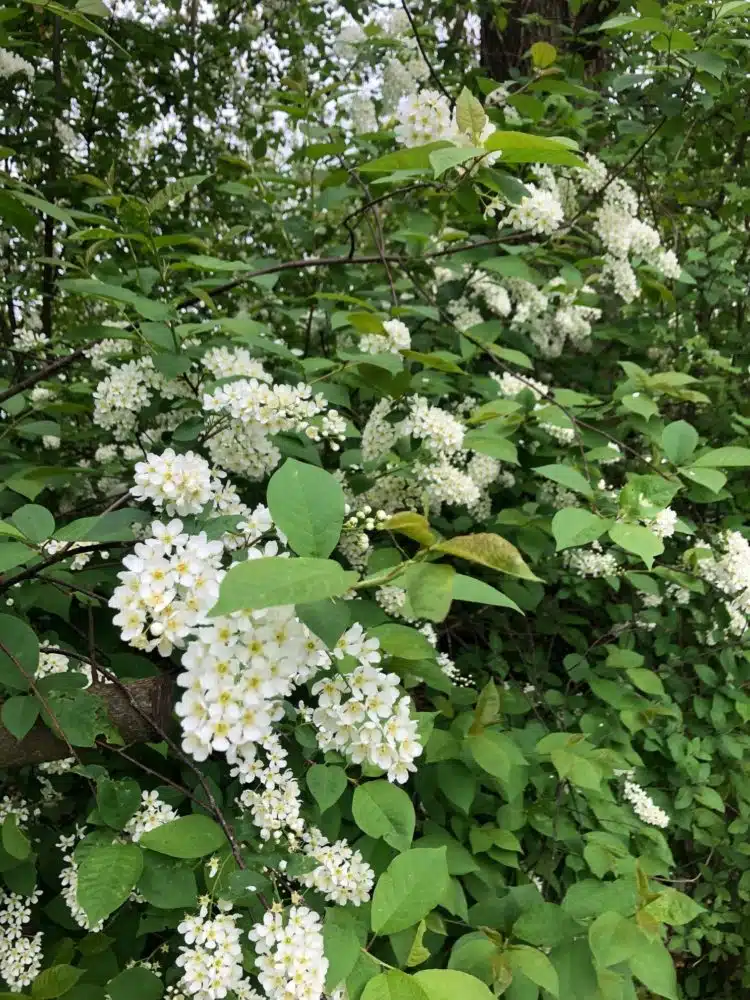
(66, 553)
(139, 710)
(430, 67)
(51, 369)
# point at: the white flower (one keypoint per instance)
(591, 562)
(11, 64)
(663, 525)
(395, 339)
(643, 805)
(152, 814)
(179, 484)
(539, 212)
(423, 117)
(342, 876)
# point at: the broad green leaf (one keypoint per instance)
(394, 985)
(135, 984)
(473, 954)
(19, 714)
(19, 652)
(415, 158)
(327, 783)
(723, 458)
(653, 966)
(411, 887)
(327, 619)
(383, 810)
(470, 116)
(495, 753)
(166, 883)
(638, 540)
(535, 965)
(14, 554)
(55, 981)
(545, 925)
(117, 801)
(274, 580)
(576, 526)
(82, 716)
(307, 504)
(341, 942)
(429, 589)
(520, 147)
(106, 876)
(614, 938)
(495, 445)
(15, 842)
(679, 440)
(567, 476)
(174, 192)
(712, 479)
(46, 207)
(442, 160)
(646, 680)
(466, 588)
(413, 525)
(35, 522)
(451, 984)
(187, 837)
(488, 550)
(148, 308)
(403, 641)
(543, 54)
(674, 907)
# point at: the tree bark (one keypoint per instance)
(152, 695)
(528, 21)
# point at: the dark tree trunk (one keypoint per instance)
(528, 21)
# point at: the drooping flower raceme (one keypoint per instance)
(290, 956)
(211, 957)
(423, 117)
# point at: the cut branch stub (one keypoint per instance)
(153, 697)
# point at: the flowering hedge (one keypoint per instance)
(373, 503)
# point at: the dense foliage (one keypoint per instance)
(373, 502)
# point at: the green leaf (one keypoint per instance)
(46, 207)
(638, 540)
(543, 54)
(495, 753)
(415, 158)
(135, 983)
(15, 842)
(90, 287)
(646, 680)
(307, 504)
(403, 641)
(470, 116)
(488, 550)
(327, 619)
(55, 981)
(614, 939)
(393, 985)
(442, 160)
(450, 984)
(429, 589)
(519, 147)
(414, 526)
(673, 907)
(382, 810)
(167, 884)
(712, 479)
(19, 652)
(327, 783)
(575, 526)
(411, 887)
(35, 522)
(535, 965)
(187, 837)
(14, 554)
(710, 798)
(341, 944)
(723, 458)
(174, 192)
(466, 588)
(708, 62)
(274, 580)
(652, 965)
(485, 441)
(567, 476)
(106, 876)
(679, 440)
(19, 714)
(117, 801)
(95, 8)
(82, 716)
(544, 925)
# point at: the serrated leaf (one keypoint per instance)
(307, 504)
(55, 982)
(573, 526)
(327, 783)
(566, 476)
(488, 550)
(107, 875)
(467, 588)
(187, 837)
(274, 580)
(638, 540)
(413, 884)
(382, 810)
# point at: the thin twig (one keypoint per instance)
(430, 67)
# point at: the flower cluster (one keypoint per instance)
(342, 876)
(152, 814)
(178, 484)
(211, 957)
(11, 64)
(591, 562)
(728, 569)
(275, 807)
(643, 805)
(237, 670)
(289, 954)
(21, 955)
(423, 117)
(362, 715)
(69, 881)
(538, 212)
(395, 338)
